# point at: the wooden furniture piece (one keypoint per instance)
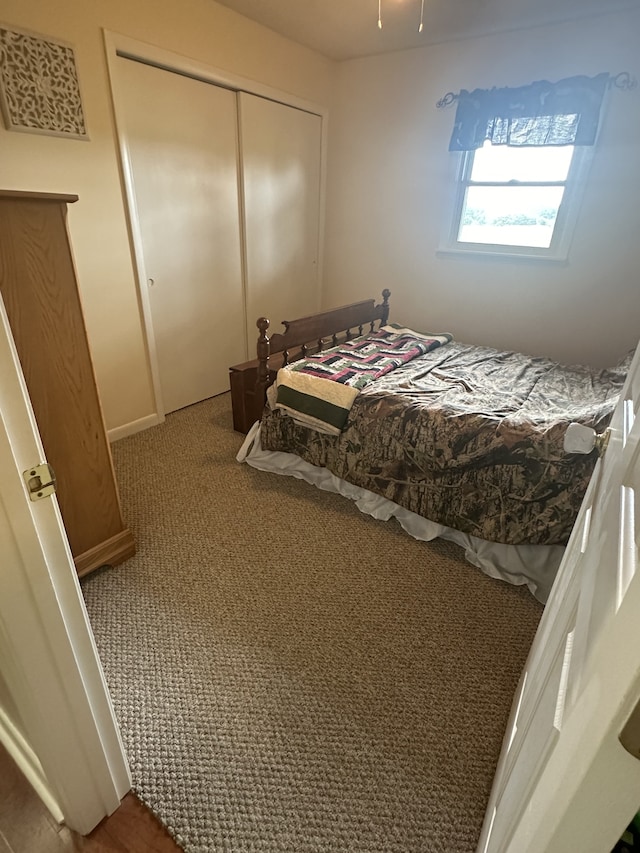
(246, 405)
(40, 293)
(308, 335)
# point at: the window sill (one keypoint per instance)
(504, 257)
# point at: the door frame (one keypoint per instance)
(117, 45)
(59, 723)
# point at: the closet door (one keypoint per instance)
(280, 152)
(182, 140)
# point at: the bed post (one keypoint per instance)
(262, 378)
(384, 319)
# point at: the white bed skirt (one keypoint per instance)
(533, 565)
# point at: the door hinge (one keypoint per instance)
(40, 480)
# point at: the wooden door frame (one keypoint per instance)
(117, 45)
(66, 738)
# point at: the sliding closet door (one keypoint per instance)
(280, 152)
(182, 140)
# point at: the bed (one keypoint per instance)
(460, 441)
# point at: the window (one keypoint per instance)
(523, 156)
(513, 197)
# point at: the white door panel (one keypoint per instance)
(56, 716)
(280, 148)
(564, 782)
(182, 140)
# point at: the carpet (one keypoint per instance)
(289, 674)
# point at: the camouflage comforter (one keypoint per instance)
(470, 438)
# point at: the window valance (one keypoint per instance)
(542, 113)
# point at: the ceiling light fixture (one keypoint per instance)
(420, 28)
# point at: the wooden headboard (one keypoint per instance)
(306, 336)
(310, 335)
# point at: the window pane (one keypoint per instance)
(510, 216)
(501, 163)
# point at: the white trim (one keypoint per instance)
(133, 221)
(48, 656)
(133, 427)
(117, 45)
(324, 147)
(242, 224)
(28, 764)
(477, 254)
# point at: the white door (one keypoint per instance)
(564, 781)
(280, 152)
(56, 717)
(182, 143)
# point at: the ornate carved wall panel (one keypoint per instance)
(39, 89)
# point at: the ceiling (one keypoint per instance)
(345, 29)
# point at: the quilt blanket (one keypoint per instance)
(319, 391)
(470, 438)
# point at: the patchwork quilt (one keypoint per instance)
(319, 391)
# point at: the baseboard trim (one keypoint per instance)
(28, 763)
(108, 553)
(135, 426)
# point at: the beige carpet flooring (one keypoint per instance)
(289, 674)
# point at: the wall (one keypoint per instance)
(391, 178)
(198, 29)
